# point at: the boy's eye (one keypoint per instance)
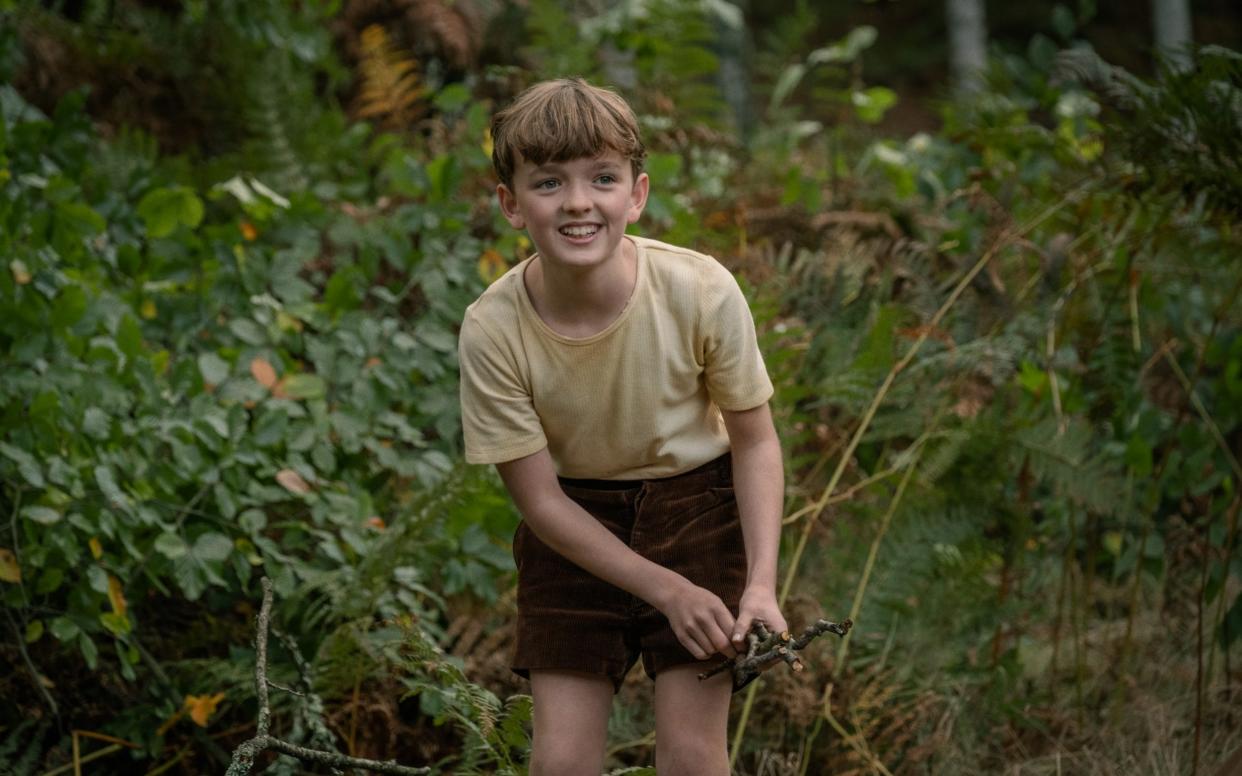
(549, 183)
(607, 178)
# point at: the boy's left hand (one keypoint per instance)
(757, 604)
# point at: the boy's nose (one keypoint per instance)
(576, 199)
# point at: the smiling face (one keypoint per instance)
(575, 211)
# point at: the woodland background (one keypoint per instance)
(999, 301)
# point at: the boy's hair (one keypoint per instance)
(561, 120)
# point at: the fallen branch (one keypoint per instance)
(765, 649)
(244, 755)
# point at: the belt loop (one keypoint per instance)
(639, 497)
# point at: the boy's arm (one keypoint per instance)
(699, 618)
(759, 482)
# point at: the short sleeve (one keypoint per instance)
(734, 370)
(499, 422)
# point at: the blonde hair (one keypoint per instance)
(561, 120)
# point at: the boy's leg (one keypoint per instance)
(571, 723)
(692, 722)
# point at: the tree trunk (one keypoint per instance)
(731, 46)
(968, 43)
(1171, 24)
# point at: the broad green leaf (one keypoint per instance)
(129, 336)
(304, 386)
(34, 631)
(163, 210)
(217, 422)
(789, 80)
(97, 578)
(225, 501)
(248, 331)
(170, 545)
(80, 218)
(64, 628)
(188, 572)
(89, 651)
(107, 483)
(96, 424)
(845, 50)
(26, 464)
(49, 580)
(41, 514)
(871, 104)
(252, 521)
(214, 369)
(212, 546)
(116, 624)
(270, 427)
(69, 307)
(341, 292)
(437, 338)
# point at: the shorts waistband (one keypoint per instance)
(715, 468)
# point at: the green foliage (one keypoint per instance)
(1059, 452)
(198, 385)
(241, 361)
(493, 731)
(22, 746)
(1183, 133)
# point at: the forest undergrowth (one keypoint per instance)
(1007, 359)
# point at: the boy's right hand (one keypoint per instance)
(700, 620)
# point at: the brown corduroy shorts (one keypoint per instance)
(570, 620)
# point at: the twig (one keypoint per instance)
(766, 649)
(285, 688)
(36, 678)
(851, 738)
(97, 754)
(856, 607)
(312, 708)
(244, 755)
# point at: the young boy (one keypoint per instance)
(616, 384)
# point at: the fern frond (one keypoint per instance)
(270, 123)
(1183, 132)
(942, 451)
(392, 89)
(1063, 460)
(21, 749)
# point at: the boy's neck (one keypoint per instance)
(581, 303)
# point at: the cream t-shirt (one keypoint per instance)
(640, 399)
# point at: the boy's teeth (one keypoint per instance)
(578, 231)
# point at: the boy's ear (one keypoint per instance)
(638, 197)
(509, 206)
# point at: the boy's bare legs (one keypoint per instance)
(692, 722)
(571, 723)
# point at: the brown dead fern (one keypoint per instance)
(391, 86)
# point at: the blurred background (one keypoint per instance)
(993, 255)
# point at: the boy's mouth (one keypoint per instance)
(579, 231)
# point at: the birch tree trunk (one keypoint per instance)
(731, 46)
(1171, 25)
(968, 43)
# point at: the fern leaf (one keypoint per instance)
(391, 89)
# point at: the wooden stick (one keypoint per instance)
(767, 649)
(244, 755)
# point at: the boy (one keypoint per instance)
(616, 384)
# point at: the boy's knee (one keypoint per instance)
(565, 758)
(690, 754)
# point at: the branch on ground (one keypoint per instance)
(246, 753)
(765, 649)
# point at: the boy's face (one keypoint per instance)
(575, 211)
